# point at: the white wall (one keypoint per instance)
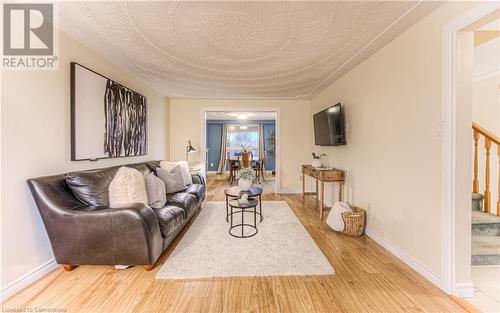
(393, 154)
(295, 132)
(36, 142)
(486, 60)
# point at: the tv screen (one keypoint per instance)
(329, 127)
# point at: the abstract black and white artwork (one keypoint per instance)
(108, 120)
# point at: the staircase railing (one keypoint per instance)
(489, 138)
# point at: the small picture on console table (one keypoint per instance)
(108, 120)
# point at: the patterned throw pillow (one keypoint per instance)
(156, 191)
(174, 182)
(186, 175)
(127, 187)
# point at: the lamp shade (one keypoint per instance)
(190, 148)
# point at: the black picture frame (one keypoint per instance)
(73, 115)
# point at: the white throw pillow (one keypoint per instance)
(156, 191)
(127, 187)
(168, 165)
(334, 219)
(186, 175)
(173, 179)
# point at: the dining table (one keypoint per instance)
(234, 166)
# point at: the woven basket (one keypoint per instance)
(354, 222)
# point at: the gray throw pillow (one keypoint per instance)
(156, 191)
(174, 182)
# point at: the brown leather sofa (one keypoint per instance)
(83, 229)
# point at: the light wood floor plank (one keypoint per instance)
(368, 279)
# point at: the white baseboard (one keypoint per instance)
(27, 279)
(465, 290)
(411, 262)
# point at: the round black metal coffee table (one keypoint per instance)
(240, 208)
(235, 193)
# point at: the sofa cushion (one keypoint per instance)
(143, 168)
(91, 187)
(196, 190)
(127, 187)
(169, 218)
(183, 200)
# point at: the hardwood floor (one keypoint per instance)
(367, 279)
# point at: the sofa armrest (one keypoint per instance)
(134, 231)
(102, 235)
(198, 178)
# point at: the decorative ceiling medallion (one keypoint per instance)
(232, 49)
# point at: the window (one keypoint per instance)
(243, 135)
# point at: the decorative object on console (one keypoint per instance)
(127, 187)
(108, 120)
(189, 149)
(246, 177)
(316, 162)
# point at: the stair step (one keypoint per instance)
(485, 250)
(485, 224)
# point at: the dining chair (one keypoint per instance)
(258, 167)
(234, 166)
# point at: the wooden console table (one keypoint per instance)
(321, 175)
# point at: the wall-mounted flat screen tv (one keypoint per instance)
(329, 129)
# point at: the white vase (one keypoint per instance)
(244, 184)
(316, 163)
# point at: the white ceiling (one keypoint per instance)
(492, 26)
(234, 115)
(239, 49)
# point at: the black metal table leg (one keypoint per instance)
(227, 208)
(255, 216)
(231, 216)
(260, 208)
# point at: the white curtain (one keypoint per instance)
(261, 141)
(223, 151)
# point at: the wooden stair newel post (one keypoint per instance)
(487, 193)
(475, 182)
(498, 199)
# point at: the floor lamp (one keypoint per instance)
(189, 149)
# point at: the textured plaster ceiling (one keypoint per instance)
(238, 49)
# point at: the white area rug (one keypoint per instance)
(282, 247)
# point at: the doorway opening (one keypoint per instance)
(471, 154)
(231, 134)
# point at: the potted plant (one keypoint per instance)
(317, 159)
(246, 177)
(271, 141)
